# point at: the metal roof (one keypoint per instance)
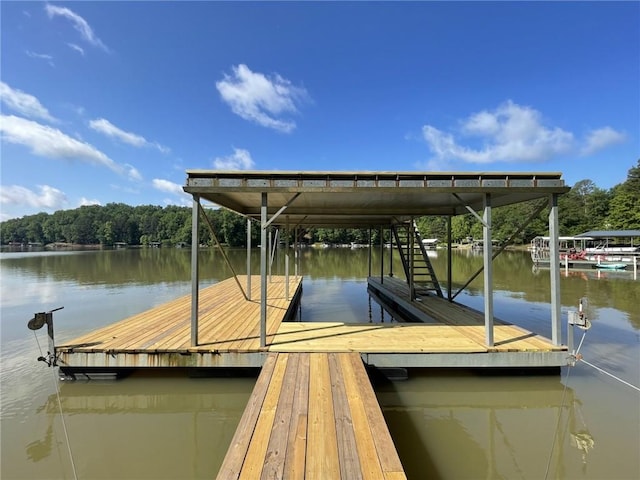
(611, 234)
(363, 199)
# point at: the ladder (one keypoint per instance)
(415, 261)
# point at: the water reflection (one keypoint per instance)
(503, 432)
(153, 427)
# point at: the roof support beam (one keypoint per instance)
(471, 210)
(282, 209)
(504, 245)
(222, 252)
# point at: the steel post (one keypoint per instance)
(195, 290)
(488, 270)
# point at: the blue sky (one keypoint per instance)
(112, 101)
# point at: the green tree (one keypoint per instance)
(625, 202)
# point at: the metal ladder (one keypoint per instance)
(415, 261)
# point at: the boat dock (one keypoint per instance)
(442, 334)
(313, 412)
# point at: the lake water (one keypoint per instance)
(446, 424)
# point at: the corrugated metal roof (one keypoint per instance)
(610, 233)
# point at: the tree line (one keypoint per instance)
(585, 207)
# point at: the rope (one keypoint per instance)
(64, 424)
(38, 342)
(610, 374)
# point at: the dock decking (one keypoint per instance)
(312, 415)
(229, 333)
(450, 335)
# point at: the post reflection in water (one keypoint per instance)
(446, 424)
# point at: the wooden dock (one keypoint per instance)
(312, 415)
(449, 334)
(229, 332)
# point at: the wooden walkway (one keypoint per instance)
(313, 416)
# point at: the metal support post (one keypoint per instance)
(286, 262)
(554, 270)
(449, 260)
(370, 250)
(381, 255)
(488, 270)
(195, 290)
(263, 271)
(248, 259)
(410, 247)
(391, 251)
(296, 256)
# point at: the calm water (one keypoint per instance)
(445, 424)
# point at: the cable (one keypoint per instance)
(576, 355)
(610, 374)
(64, 425)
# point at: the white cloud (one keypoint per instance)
(133, 173)
(167, 186)
(52, 143)
(46, 197)
(86, 202)
(23, 103)
(602, 138)
(511, 133)
(261, 99)
(107, 128)
(239, 160)
(40, 56)
(79, 23)
(77, 48)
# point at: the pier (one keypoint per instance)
(313, 413)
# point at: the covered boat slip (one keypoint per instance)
(390, 201)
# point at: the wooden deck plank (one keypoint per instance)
(348, 451)
(295, 461)
(234, 459)
(387, 455)
(257, 450)
(276, 453)
(369, 461)
(322, 447)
